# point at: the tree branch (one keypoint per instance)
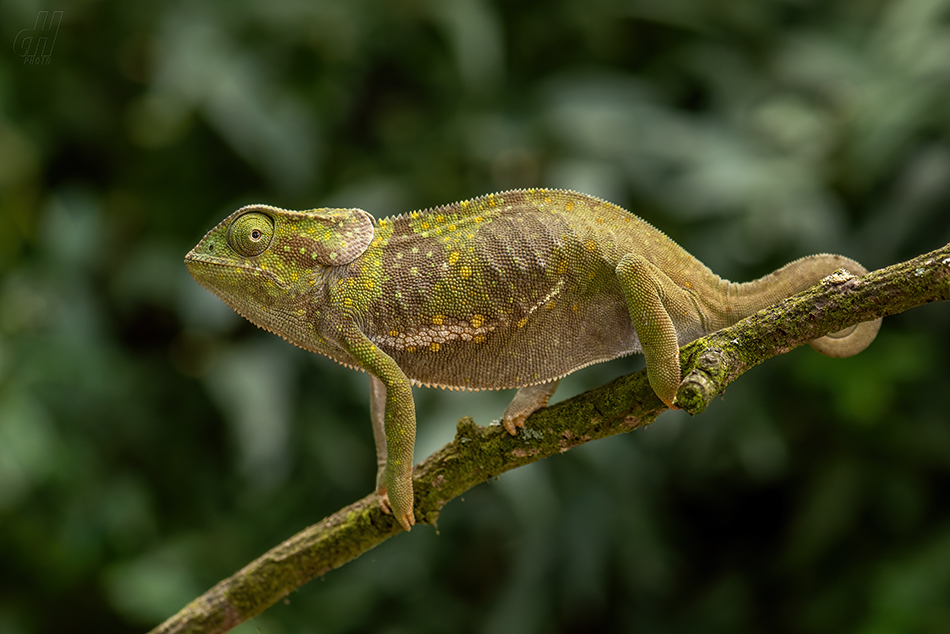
(480, 453)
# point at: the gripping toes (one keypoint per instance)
(527, 401)
(399, 503)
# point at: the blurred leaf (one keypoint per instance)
(147, 589)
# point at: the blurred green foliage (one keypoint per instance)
(151, 442)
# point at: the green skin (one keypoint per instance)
(515, 289)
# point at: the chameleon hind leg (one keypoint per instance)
(653, 299)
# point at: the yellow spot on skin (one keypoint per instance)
(477, 321)
(439, 218)
(453, 257)
(562, 267)
(465, 272)
(570, 205)
(410, 349)
(591, 245)
(549, 305)
(434, 347)
(522, 322)
(451, 227)
(294, 276)
(687, 285)
(465, 203)
(479, 339)
(425, 226)
(393, 333)
(347, 301)
(438, 319)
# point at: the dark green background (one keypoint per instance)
(151, 442)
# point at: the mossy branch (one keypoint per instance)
(480, 453)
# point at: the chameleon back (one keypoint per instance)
(506, 290)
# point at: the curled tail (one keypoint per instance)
(737, 301)
(850, 341)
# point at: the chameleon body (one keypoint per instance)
(515, 289)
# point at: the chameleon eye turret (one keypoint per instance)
(251, 233)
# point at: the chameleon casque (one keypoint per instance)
(515, 289)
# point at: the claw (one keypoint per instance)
(513, 423)
(406, 519)
(526, 402)
(384, 501)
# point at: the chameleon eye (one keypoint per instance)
(251, 234)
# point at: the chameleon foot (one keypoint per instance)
(513, 423)
(526, 402)
(406, 518)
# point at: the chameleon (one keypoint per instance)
(510, 290)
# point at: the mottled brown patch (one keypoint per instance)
(298, 250)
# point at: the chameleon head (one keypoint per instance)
(267, 262)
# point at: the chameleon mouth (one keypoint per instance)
(197, 261)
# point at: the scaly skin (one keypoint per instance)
(515, 289)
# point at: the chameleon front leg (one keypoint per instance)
(652, 299)
(394, 479)
(526, 402)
